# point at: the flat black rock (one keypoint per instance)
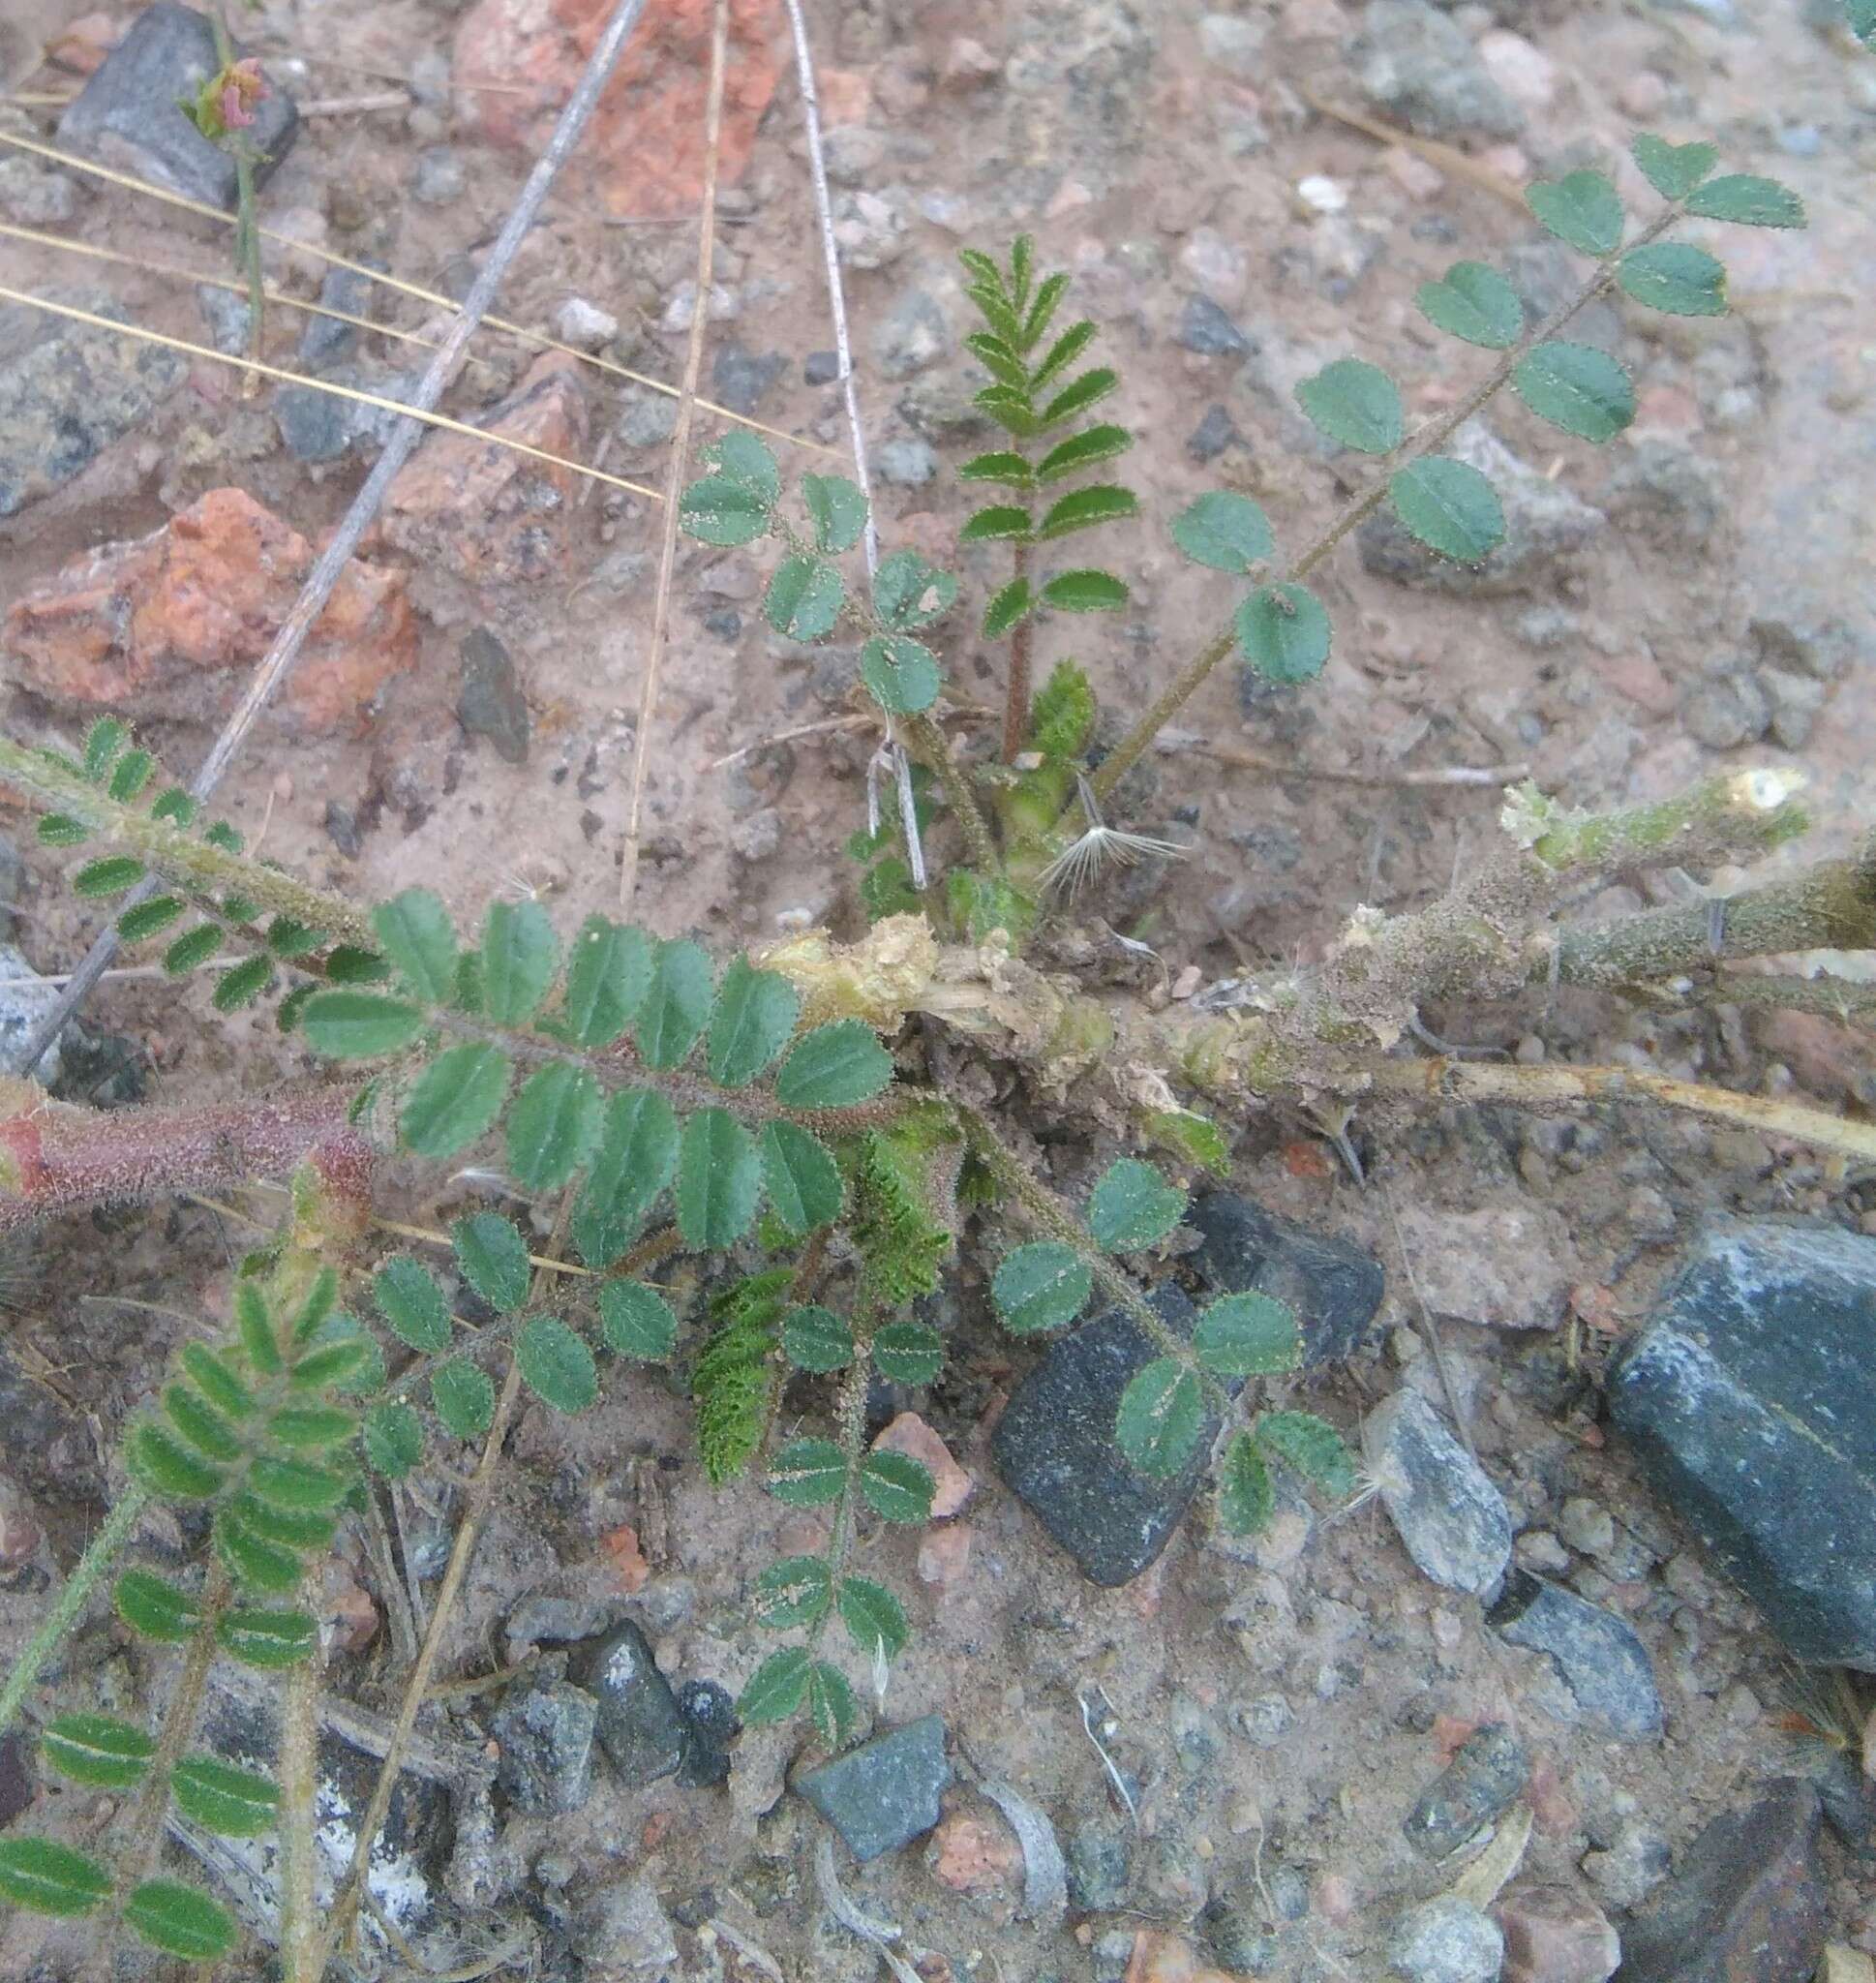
(1604, 1665)
(1333, 1287)
(641, 1726)
(884, 1793)
(1480, 1784)
(130, 114)
(1750, 1401)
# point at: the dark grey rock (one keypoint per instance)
(130, 114)
(1414, 64)
(67, 392)
(227, 315)
(1054, 1446)
(15, 1776)
(1669, 496)
(1603, 1665)
(1204, 327)
(1234, 1937)
(710, 1725)
(1333, 1288)
(438, 176)
(12, 885)
(884, 1793)
(101, 1070)
(1848, 1797)
(1792, 633)
(342, 828)
(546, 1735)
(1746, 1905)
(1750, 1400)
(1452, 1519)
(740, 379)
(1099, 1863)
(35, 196)
(821, 368)
(647, 418)
(1478, 1786)
(1797, 701)
(490, 703)
(315, 426)
(640, 1726)
(1213, 435)
(325, 340)
(1447, 1941)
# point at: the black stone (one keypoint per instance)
(1479, 1785)
(326, 341)
(740, 379)
(640, 1726)
(490, 703)
(341, 828)
(884, 1793)
(1099, 1862)
(1604, 1665)
(1750, 1400)
(15, 1776)
(710, 1725)
(1333, 1287)
(1204, 327)
(130, 114)
(1213, 435)
(822, 368)
(1747, 1905)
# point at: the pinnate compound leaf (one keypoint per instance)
(98, 1749)
(909, 1353)
(902, 674)
(837, 509)
(754, 1019)
(1357, 404)
(1312, 1446)
(1582, 208)
(1082, 509)
(873, 1616)
(636, 1158)
(801, 1177)
(1083, 450)
(180, 1920)
(1226, 532)
(777, 1689)
(268, 1640)
(419, 939)
(816, 1340)
(1008, 605)
(393, 1438)
(553, 1126)
(411, 1304)
(808, 1473)
(1449, 507)
(804, 598)
(836, 1066)
(1247, 1335)
(1085, 592)
(1675, 277)
(1042, 1286)
(677, 1005)
(719, 1180)
(1674, 171)
(1282, 631)
(1246, 1499)
(232, 1803)
(48, 1878)
(897, 1486)
(155, 1608)
(1576, 387)
(557, 1366)
(1474, 303)
(455, 1099)
(637, 1322)
(493, 1258)
(997, 523)
(1132, 1205)
(910, 592)
(1162, 1414)
(608, 974)
(1748, 199)
(169, 1469)
(520, 956)
(831, 1703)
(795, 1591)
(464, 1398)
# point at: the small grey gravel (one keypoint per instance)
(585, 325)
(1099, 1861)
(740, 379)
(640, 1726)
(821, 368)
(1631, 1867)
(227, 315)
(1412, 62)
(1797, 700)
(325, 340)
(1602, 1665)
(490, 702)
(342, 828)
(1213, 435)
(1447, 1941)
(1266, 1719)
(438, 177)
(1452, 1519)
(647, 418)
(24, 1001)
(623, 1934)
(1480, 1784)
(910, 463)
(1725, 708)
(1204, 327)
(34, 196)
(546, 1735)
(911, 335)
(884, 1793)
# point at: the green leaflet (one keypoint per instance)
(1582, 208)
(719, 1180)
(1282, 631)
(557, 1366)
(902, 675)
(719, 509)
(1449, 507)
(493, 1258)
(393, 1438)
(266, 1639)
(1226, 532)
(608, 974)
(179, 1921)
(1083, 508)
(873, 1616)
(455, 1100)
(520, 957)
(1246, 1499)
(753, 1021)
(553, 1126)
(636, 1159)
(831, 1703)
(1749, 200)
(677, 1005)
(1577, 387)
(1312, 1446)
(637, 1322)
(1085, 592)
(837, 510)
(897, 1486)
(464, 1398)
(232, 1803)
(1133, 1206)
(1162, 1414)
(808, 1473)
(48, 1878)
(411, 1304)
(834, 1066)
(154, 1606)
(1247, 1335)
(777, 1689)
(795, 1591)
(1009, 605)
(800, 1179)
(909, 1353)
(1042, 1286)
(1675, 277)
(1357, 404)
(98, 1749)
(910, 592)
(1674, 171)
(420, 941)
(804, 598)
(816, 1340)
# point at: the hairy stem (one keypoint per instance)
(1432, 436)
(299, 1933)
(1016, 702)
(934, 750)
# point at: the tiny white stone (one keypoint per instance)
(1320, 194)
(585, 325)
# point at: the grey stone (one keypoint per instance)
(227, 315)
(318, 426)
(1543, 523)
(911, 334)
(1414, 64)
(1792, 633)
(1447, 1941)
(1266, 1719)
(24, 1002)
(1477, 1787)
(341, 828)
(870, 227)
(647, 418)
(1629, 1867)
(1197, 1736)
(821, 368)
(1603, 1665)
(1669, 496)
(624, 1934)
(1099, 1863)
(550, 1620)
(546, 1735)
(1213, 435)
(1797, 701)
(1453, 1521)
(640, 1726)
(1234, 1937)
(585, 325)
(910, 463)
(1331, 1287)
(1747, 1903)
(130, 114)
(12, 885)
(33, 195)
(884, 1793)
(325, 340)
(1547, 274)
(1204, 327)
(740, 379)
(490, 703)
(1750, 1401)
(67, 392)
(1725, 707)
(438, 176)
(710, 1725)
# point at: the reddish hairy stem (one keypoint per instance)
(1015, 706)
